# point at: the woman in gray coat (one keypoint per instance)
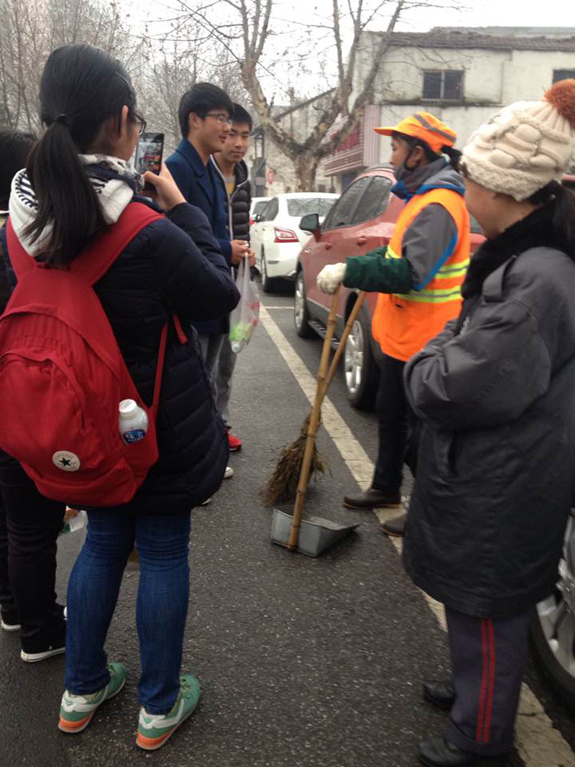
(496, 394)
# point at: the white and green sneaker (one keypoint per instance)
(76, 711)
(155, 729)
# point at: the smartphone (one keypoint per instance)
(149, 153)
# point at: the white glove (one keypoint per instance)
(330, 277)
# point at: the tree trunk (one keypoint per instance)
(305, 166)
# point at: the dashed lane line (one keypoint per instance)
(538, 742)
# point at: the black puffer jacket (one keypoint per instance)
(173, 265)
(496, 393)
(239, 203)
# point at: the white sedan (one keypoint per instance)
(257, 206)
(276, 237)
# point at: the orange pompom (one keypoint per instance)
(562, 96)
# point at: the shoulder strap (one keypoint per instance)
(20, 260)
(98, 257)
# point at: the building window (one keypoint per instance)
(446, 85)
(563, 74)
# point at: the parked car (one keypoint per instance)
(258, 204)
(362, 219)
(553, 626)
(277, 238)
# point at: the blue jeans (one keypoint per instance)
(162, 543)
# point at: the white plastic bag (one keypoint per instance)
(74, 519)
(245, 316)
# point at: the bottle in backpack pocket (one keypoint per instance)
(133, 421)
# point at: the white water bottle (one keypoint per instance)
(133, 421)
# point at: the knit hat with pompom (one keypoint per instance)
(525, 145)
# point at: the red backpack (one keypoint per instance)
(62, 376)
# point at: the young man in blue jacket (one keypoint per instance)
(205, 116)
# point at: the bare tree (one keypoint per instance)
(171, 62)
(252, 23)
(31, 29)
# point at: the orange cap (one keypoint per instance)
(426, 127)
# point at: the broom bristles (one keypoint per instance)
(282, 485)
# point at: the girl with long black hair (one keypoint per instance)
(78, 182)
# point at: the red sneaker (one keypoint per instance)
(235, 443)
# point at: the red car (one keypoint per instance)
(362, 219)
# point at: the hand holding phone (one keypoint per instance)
(166, 191)
(149, 153)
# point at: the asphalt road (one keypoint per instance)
(303, 662)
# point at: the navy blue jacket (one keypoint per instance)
(173, 265)
(202, 186)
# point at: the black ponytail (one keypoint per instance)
(454, 156)
(81, 88)
(563, 222)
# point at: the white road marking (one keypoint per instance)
(538, 742)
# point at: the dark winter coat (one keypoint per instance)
(173, 265)
(496, 393)
(202, 186)
(239, 202)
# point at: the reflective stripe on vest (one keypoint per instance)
(402, 324)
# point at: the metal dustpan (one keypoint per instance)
(312, 536)
(316, 534)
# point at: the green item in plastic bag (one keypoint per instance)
(245, 316)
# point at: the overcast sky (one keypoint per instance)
(508, 13)
(556, 13)
(290, 18)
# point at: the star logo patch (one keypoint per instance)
(66, 460)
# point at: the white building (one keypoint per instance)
(462, 76)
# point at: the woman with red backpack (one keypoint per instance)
(79, 190)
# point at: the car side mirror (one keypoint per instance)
(310, 223)
(257, 218)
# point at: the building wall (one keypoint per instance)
(401, 75)
(492, 78)
(530, 73)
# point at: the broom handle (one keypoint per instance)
(313, 424)
(341, 346)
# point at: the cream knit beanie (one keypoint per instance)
(525, 145)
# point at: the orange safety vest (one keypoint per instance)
(402, 324)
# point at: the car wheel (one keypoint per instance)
(553, 626)
(359, 365)
(301, 316)
(268, 284)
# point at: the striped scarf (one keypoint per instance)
(115, 182)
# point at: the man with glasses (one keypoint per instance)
(205, 115)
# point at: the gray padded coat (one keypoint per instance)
(496, 459)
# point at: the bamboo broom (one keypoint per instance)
(287, 477)
(310, 446)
